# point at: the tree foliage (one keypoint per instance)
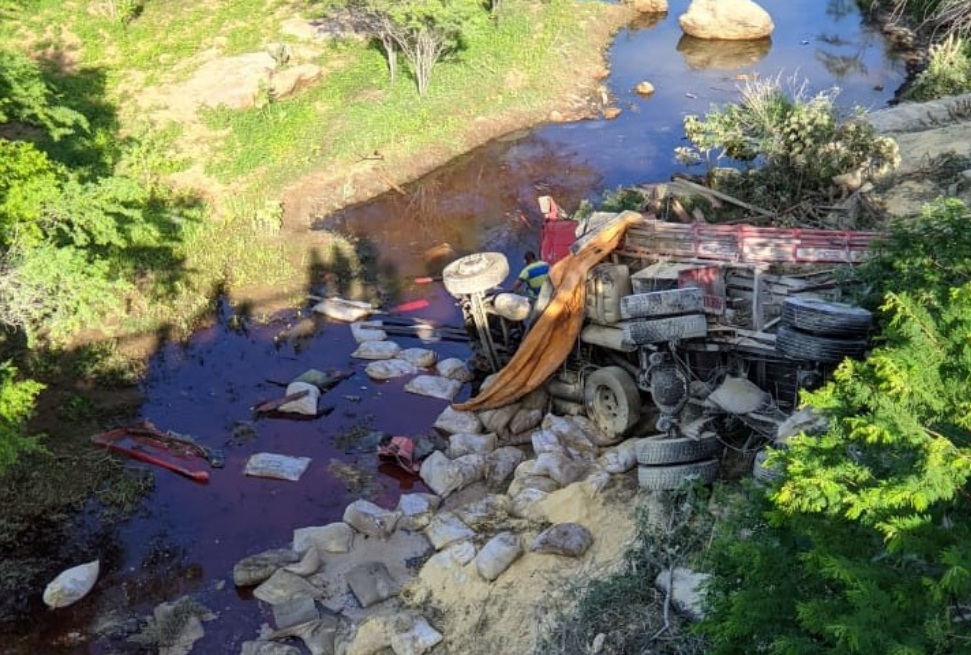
(425, 31)
(16, 405)
(864, 545)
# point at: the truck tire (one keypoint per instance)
(659, 478)
(826, 318)
(796, 344)
(654, 451)
(761, 472)
(475, 273)
(612, 400)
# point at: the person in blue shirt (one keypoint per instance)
(532, 277)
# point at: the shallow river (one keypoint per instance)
(188, 536)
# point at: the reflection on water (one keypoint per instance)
(701, 54)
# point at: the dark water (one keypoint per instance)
(188, 536)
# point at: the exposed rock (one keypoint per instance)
(729, 20)
(418, 639)
(686, 590)
(444, 476)
(331, 538)
(370, 519)
(570, 539)
(556, 116)
(297, 610)
(610, 113)
(467, 444)
(420, 357)
(386, 369)
(289, 80)
(255, 569)
(454, 369)
(376, 350)
(498, 555)
(434, 386)
(500, 465)
(651, 6)
(232, 82)
(283, 586)
(644, 88)
(371, 583)
(416, 510)
(307, 405)
(456, 422)
(447, 528)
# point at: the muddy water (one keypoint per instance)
(188, 536)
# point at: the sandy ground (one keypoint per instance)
(508, 615)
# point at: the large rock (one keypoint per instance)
(370, 519)
(498, 555)
(255, 569)
(728, 20)
(444, 475)
(288, 81)
(651, 6)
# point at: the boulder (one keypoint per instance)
(255, 569)
(456, 422)
(289, 80)
(686, 589)
(467, 444)
(331, 538)
(644, 88)
(570, 539)
(447, 528)
(444, 476)
(651, 6)
(498, 555)
(416, 510)
(370, 519)
(371, 583)
(729, 20)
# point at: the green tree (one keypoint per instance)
(16, 406)
(864, 545)
(425, 31)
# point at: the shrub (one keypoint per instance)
(16, 406)
(948, 71)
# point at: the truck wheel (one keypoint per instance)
(796, 344)
(612, 400)
(659, 478)
(826, 318)
(654, 451)
(761, 472)
(475, 273)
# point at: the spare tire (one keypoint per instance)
(796, 344)
(475, 273)
(612, 400)
(826, 318)
(653, 451)
(658, 478)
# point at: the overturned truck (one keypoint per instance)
(681, 326)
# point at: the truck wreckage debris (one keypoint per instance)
(701, 321)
